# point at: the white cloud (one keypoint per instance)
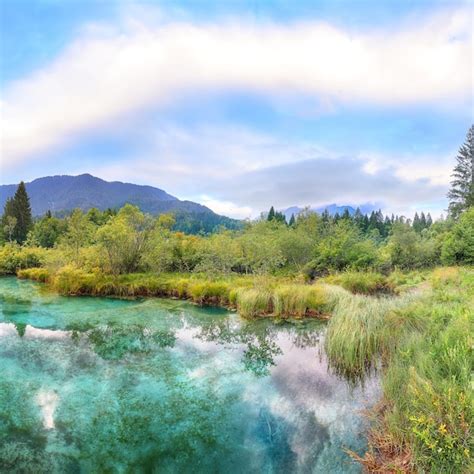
(106, 74)
(242, 172)
(227, 208)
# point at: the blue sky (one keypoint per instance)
(241, 105)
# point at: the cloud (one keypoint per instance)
(108, 74)
(238, 172)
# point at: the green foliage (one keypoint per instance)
(461, 194)
(125, 238)
(47, 231)
(407, 249)
(14, 257)
(459, 245)
(17, 220)
(342, 246)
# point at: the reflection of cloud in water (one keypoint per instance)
(7, 330)
(47, 400)
(35, 333)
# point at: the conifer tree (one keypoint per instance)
(423, 221)
(22, 212)
(271, 214)
(346, 214)
(461, 195)
(429, 220)
(292, 221)
(416, 223)
(325, 216)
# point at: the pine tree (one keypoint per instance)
(292, 221)
(423, 221)
(429, 220)
(346, 214)
(22, 212)
(461, 195)
(325, 216)
(416, 223)
(271, 214)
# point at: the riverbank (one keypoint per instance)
(421, 340)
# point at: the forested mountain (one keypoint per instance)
(61, 194)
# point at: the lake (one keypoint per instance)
(155, 385)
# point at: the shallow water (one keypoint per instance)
(106, 385)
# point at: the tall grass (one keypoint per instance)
(367, 283)
(425, 341)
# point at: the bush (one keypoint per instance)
(13, 257)
(459, 246)
(37, 274)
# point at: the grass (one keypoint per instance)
(367, 283)
(424, 341)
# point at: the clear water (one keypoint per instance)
(105, 385)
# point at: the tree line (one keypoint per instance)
(128, 240)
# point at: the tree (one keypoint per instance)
(78, 234)
(125, 239)
(271, 214)
(417, 223)
(8, 212)
(22, 212)
(292, 221)
(19, 208)
(10, 227)
(459, 246)
(47, 230)
(461, 195)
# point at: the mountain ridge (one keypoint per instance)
(63, 193)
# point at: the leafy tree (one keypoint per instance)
(459, 246)
(10, 225)
(78, 234)
(47, 231)
(461, 195)
(125, 238)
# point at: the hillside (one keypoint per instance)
(61, 194)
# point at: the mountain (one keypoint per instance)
(333, 209)
(61, 194)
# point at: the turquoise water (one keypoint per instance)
(104, 385)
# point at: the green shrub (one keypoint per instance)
(37, 274)
(13, 257)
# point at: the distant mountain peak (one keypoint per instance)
(84, 191)
(332, 209)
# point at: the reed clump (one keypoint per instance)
(367, 283)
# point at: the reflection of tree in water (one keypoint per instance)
(12, 305)
(113, 342)
(260, 339)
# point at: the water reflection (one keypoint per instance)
(98, 385)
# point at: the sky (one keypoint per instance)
(240, 105)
